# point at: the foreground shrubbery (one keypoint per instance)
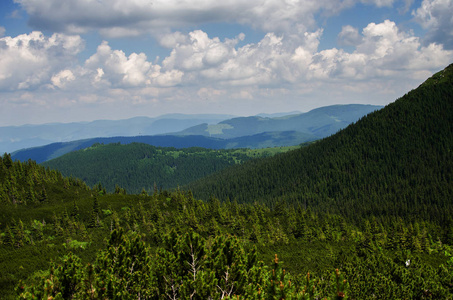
(185, 267)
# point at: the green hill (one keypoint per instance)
(48, 220)
(373, 201)
(262, 140)
(140, 166)
(395, 162)
(77, 243)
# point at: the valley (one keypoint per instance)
(363, 213)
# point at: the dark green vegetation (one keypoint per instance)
(263, 140)
(250, 132)
(373, 201)
(104, 245)
(135, 167)
(394, 163)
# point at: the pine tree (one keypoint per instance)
(43, 197)
(9, 236)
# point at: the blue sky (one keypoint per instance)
(72, 60)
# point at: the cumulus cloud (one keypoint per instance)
(437, 17)
(130, 18)
(210, 60)
(171, 40)
(349, 36)
(2, 31)
(200, 67)
(63, 77)
(380, 51)
(113, 67)
(30, 60)
(384, 51)
(197, 51)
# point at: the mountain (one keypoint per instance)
(372, 202)
(318, 123)
(264, 140)
(13, 138)
(245, 132)
(139, 166)
(395, 162)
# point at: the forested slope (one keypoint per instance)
(373, 201)
(81, 243)
(140, 166)
(396, 162)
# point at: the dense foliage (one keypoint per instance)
(185, 267)
(135, 167)
(364, 214)
(160, 229)
(30, 183)
(396, 162)
(257, 141)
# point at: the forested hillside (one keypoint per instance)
(136, 167)
(396, 162)
(363, 214)
(263, 140)
(81, 243)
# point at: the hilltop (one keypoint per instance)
(395, 162)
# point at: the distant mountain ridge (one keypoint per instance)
(263, 140)
(13, 138)
(318, 123)
(243, 132)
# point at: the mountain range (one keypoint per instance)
(372, 202)
(13, 138)
(317, 123)
(395, 162)
(244, 132)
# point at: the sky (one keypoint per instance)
(83, 60)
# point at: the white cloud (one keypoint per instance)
(197, 52)
(2, 31)
(379, 3)
(349, 36)
(381, 51)
(117, 18)
(30, 60)
(200, 69)
(113, 67)
(437, 17)
(384, 52)
(63, 77)
(173, 39)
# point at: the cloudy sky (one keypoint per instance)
(81, 60)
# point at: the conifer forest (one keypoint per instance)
(366, 213)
